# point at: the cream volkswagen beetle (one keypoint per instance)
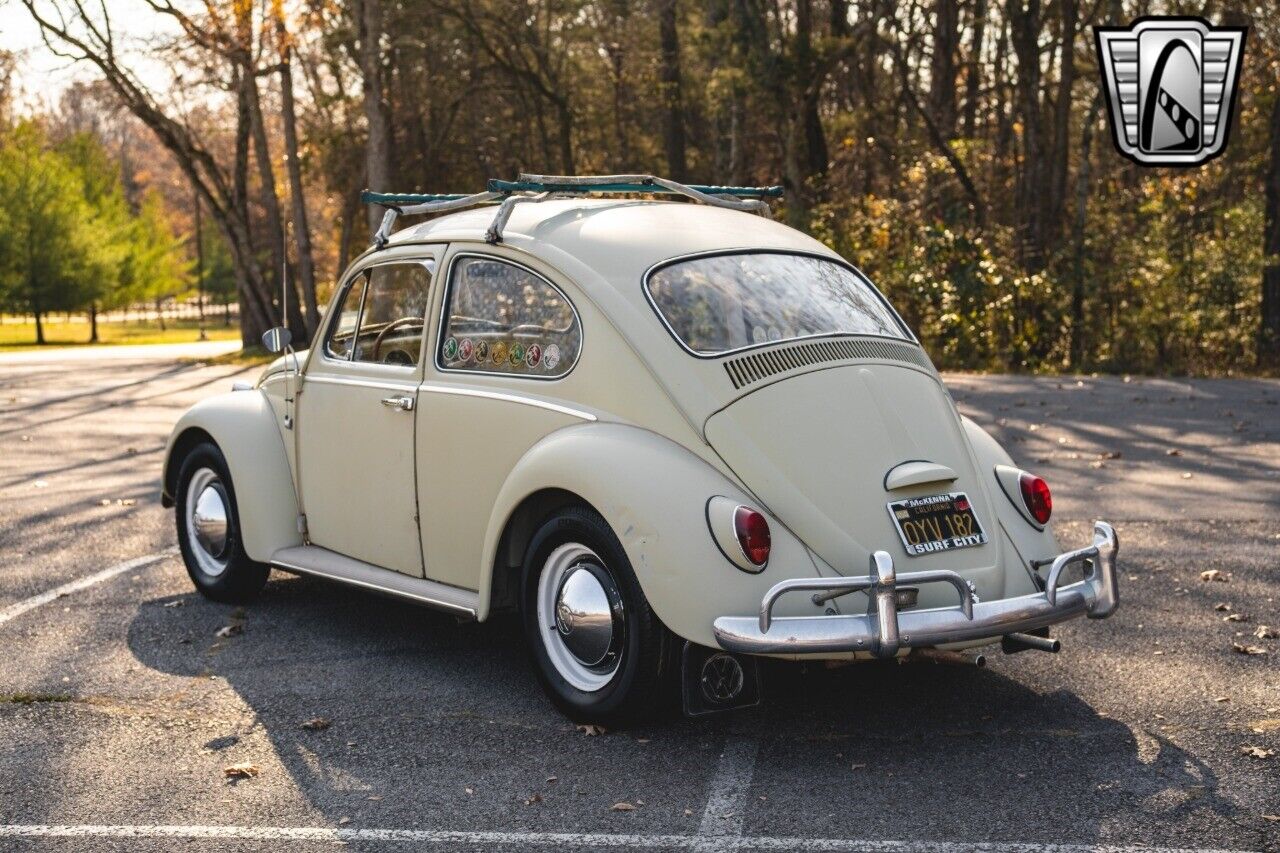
(673, 436)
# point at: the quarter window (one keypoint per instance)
(502, 318)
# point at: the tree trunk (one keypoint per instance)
(1060, 153)
(377, 111)
(301, 225)
(1076, 350)
(673, 137)
(942, 84)
(973, 80)
(93, 322)
(1025, 34)
(1269, 331)
(39, 330)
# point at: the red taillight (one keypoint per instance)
(753, 534)
(1035, 494)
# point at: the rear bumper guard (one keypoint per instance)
(886, 631)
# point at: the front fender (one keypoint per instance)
(654, 493)
(244, 426)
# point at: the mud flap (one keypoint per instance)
(713, 680)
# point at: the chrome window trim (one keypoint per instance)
(507, 398)
(909, 338)
(428, 262)
(441, 327)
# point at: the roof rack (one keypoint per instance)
(535, 188)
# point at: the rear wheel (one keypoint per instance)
(209, 529)
(601, 653)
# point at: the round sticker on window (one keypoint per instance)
(551, 357)
(499, 352)
(450, 349)
(532, 356)
(517, 354)
(465, 349)
(482, 351)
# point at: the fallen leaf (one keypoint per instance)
(536, 798)
(40, 484)
(1271, 818)
(1173, 451)
(1109, 454)
(177, 602)
(1097, 463)
(244, 770)
(1266, 632)
(552, 779)
(856, 766)
(232, 630)
(689, 813)
(1236, 617)
(1247, 650)
(1221, 699)
(1215, 575)
(105, 502)
(1186, 475)
(343, 821)
(373, 797)
(1257, 752)
(317, 724)
(469, 791)
(622, 807)
(592, 730)
(1222, 607)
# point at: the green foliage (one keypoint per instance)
(52, 256)
(68, 238)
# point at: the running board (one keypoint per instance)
(330, 565)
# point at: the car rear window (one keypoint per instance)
(720, 303)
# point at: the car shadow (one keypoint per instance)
(446, 719)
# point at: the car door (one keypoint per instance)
(357, 413)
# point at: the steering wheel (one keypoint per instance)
(394, 324)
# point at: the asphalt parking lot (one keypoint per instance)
(121, 705)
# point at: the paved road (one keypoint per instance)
(120, 707)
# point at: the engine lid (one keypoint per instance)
(828, 451)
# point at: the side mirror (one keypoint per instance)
(275, 340)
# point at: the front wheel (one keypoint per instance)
(601, 653)
(209, 529)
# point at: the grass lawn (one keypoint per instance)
(18, 336)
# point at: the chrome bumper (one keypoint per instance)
(887, 630)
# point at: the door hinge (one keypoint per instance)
(302, 524)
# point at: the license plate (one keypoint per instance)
(937, 523)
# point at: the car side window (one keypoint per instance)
(342, 332)
(502, 318)
(393, 313)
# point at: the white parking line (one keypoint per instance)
(17, 609)
(721, 826)
(556, 839)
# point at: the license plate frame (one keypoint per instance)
(934, 520)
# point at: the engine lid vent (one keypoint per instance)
(747, 369)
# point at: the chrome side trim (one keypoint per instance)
(507, 397)
(407, 387)
(330, 565)
(887, 630)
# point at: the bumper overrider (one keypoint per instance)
(887, 630)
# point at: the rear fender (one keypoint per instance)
(244, 426)
(653, 493)
(1028, 542)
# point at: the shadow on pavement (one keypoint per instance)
(424, 708)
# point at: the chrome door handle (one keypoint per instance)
(401, 404)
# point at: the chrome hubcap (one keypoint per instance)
(581, 617)
(207, 521)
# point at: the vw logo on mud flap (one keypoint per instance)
(1171, 87)
(722, 678)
